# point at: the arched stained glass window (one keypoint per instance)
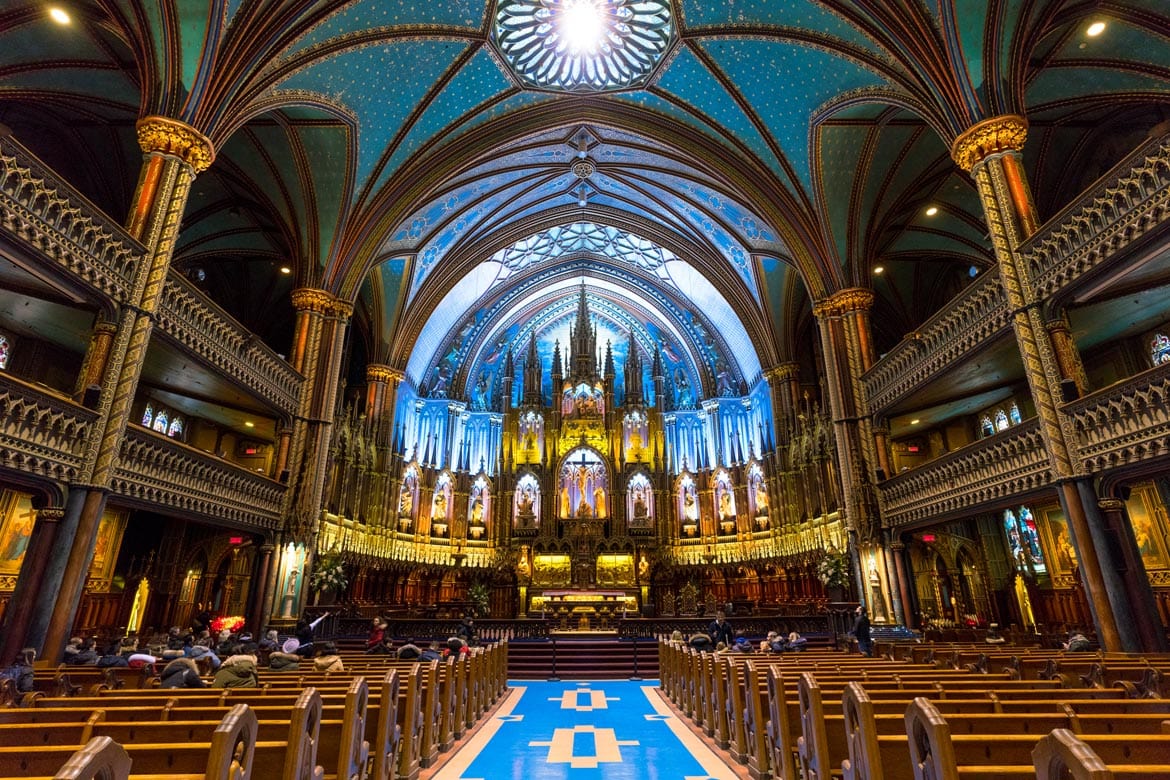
(1023, 540)
(1014, 414)
(148, 416)
(5, 352)
(1159, 349)
(161, 421)
(987, 426)
(175, 430)
(1001, 420)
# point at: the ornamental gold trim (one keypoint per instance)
(377, 372)
(782, 371)
(160, 135)
(852, 299)
(999, 134)
(311, 299)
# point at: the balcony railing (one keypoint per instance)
(1117, 212)
(1125, 423)
(41, 211)
(1011, 463)
(190, 318)
(974, 317)
(42, 433)
(162, 473)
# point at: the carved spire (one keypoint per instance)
(533, 374)
(582, 343)
(633, 373)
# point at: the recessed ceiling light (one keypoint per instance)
(930, 212)
(284, 269)
(249, 424)
(59, 15)
(878, 270)
(1095, 29)
(915, 421)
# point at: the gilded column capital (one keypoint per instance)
(51, 514)
(159, 134)
(1110, 504)
(782, 371)
(377, 372)
(991, 136)
(852, 299)
(320, 301)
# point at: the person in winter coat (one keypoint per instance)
(238, 671)
(181, 673)
(327, 659)
(21, 671)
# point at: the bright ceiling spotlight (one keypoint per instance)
(59, 15)
(915, 421)
(930, 212)
(582, 25)
(1095, 29)
(284, 269)
(878, 270)
(249, 424)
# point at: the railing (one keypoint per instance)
(1011, 463)
(1118, 211)
(190, 318)
(41, 211)
(41, 432)
(1127, 422)
(974, 317)
(162, 473)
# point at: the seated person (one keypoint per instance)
(993, 636)
(773, 643)
(796, 643)
(377, 632)
(285, 659)
(742, 645)
(1077, 642)
(326, 658)
(700, 642)
(80, 652)
(434, 652)
(181, 673)
(238, 671)
(409, 652)
(270, 642)
(21, 671)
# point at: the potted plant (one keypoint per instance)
(328, 577)
(480, 597)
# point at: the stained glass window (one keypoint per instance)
(1014, 414)
(5, 351)
(1159, 349)
(161, 421)
(148, 416)
(988, 427)
(175, 430)
(1001, 420)
(1023, 540)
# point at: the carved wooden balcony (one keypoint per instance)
(1129, 208)
(1009, 464)
(42, 433)
(161, 473)
(1125, 423)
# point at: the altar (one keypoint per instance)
(583, 610)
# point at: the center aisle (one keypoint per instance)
(616, 730)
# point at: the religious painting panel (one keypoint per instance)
(1149, 526)
(17, 518)
(109, 541)
(1062, 555)
(615, 570)
(551, 570)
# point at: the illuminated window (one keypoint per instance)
(583, 45)
(1159, 350)
(1023, 540)
(161, 421)
(5, 351)
(1014, 414)
(175, 430)
(1001, 420)
(987, 426)
(148, 416)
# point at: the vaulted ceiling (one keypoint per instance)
(764, 153)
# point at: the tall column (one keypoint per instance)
(174, 154)
(94, 366)
(381, 393)
(318, 339)
(32, 571)
(991, 152)
(1067, 357)
(1147, 625)
(260, 584)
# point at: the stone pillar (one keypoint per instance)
(991, 152)
(96, 357)
(1067, 356)
(31, 578)
(318, 339)
(174, 154)
(1151, 634)
(260, 589)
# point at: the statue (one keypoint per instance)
(439, 507)
(599, 501)
(726, 511)
(405, 501)
(477, 511)
(641, 511)
(690, 506)
(565, 501)
(761, 499)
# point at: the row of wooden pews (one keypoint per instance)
(953, 715)
(298, 725)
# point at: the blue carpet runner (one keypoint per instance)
(595, 730)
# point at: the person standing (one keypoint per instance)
(720, 630)
(861, 632)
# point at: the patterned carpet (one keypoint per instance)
(595, 730)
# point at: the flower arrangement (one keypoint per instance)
(833, 570)
(479, 595)
(232, 623)
(329, 574)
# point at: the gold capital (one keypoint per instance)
(158, 134)
(782, 371)
(377, 372)
(991, 136)
(844, 301)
